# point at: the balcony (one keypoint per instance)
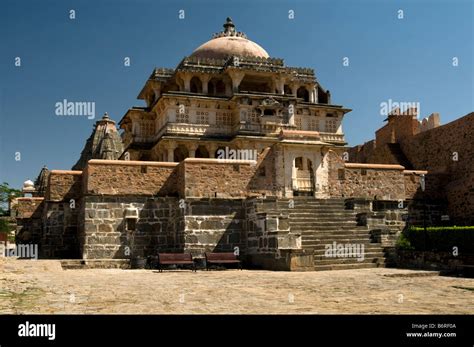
(194, 129)
(332, 137)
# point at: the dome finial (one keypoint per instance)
(229, 26)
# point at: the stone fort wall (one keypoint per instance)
(446, 152)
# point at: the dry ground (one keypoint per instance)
(41, 286)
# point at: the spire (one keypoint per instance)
(229, 30)
(229, 27)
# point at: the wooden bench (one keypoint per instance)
(222, 258)
(172, 259)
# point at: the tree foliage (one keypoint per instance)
(6, 194)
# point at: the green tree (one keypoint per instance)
(7, 193)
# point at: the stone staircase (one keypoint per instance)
(323, 222)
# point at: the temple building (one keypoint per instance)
(230, 93)
(235, 151)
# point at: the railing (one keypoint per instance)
(303, 181)
(197, 129)
(331, 137)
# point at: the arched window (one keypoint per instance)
(202, 152)
(268, 112)
(210, 88)
(303, 93)
(180, 153)
(196, 85)
(220, 88)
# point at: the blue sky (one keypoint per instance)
(407, 59)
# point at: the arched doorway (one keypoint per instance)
(180, 153)
(302, 93)
(196, 85)
(202, 152)
(216, 87)
(303, 177)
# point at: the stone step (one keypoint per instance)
(320, 248)
(347, 266)
(336, 235)
(324, 223)
(319, 218)
(329, 231)
(311, 205)
(376, 252)
(309, 230)
(338, 239)
(309, 226)
(318, 245)
(367, 255)
(331, 261)
(329, 228)
(317, 222)
(323, 242)
(312, 202)
(309, 208)
(321, 214)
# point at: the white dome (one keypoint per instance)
(228, 43)
(28, 186)
(222, 47)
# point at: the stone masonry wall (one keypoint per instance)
(64, 185)
(213, 178)
(433, 150)
(383, 182)
(369, 152)
(28, 212)
(60, 230)
(460, 196)
(446, 152)
(120, 177)
(210, 178)
(214, 225)
(436, 150)
(398, 128)
(59, 227)
(106, 234)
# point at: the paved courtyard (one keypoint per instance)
(29, 287)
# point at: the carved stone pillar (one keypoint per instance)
(170, 149)
(212, 148)
(310, 90)
(187, 81)
(192, 150)
(294, 183)
(228, 88)
(280, 85)
(291, 114)
(294, 89)
(205, 81)
(237, 77)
